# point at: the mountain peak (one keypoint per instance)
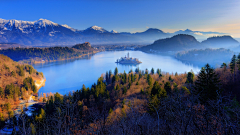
(44, 22)
(114, 31)
(96, 29)
(153, 30)
(188, 30)
(66, 26)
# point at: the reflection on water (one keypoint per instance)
(69, 75)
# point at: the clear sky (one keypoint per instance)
(131, 15)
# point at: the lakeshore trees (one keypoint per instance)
(145, 104)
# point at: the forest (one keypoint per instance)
(16, 82)
(202, 56)
(145, 102)
(35, 54)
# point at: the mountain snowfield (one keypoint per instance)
(46, 32)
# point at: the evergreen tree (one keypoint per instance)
(207, 84)
(137, 70)
(110, 74)
(233, 66)
(132, 78)
(176, 74)
(238, 61)
(190, 77)
(116, 71)
(117, 87)
(1, 92)
(167, 87)
(158, 71)
(155, 88)
(152, 70)
(224, 66)
(124, 90)
(107, 76)
(130, 71)
(146, 71)
(140, 76)
(149, 79)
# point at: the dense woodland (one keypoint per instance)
(48, 54)
(16, 81)
(203, 56)
(145, 102)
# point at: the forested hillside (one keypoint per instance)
(146, 102)
(220, 42)
(16, 81)
(202, 56)
(35, 55)
(178, 42)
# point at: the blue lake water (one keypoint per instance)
(70, 75)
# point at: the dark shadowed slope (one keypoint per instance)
(220, 42)
(176, 43)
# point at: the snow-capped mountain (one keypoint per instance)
(66, 26)
(114, 31)
(41, 31)
(46, 32)
(94, 30)
(26, 26)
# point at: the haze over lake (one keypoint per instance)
(65, 76)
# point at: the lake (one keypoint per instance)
(70, 75)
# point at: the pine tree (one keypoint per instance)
(190, 77)
(238, 61)
(110, 74)
(233, 66)
(137, 70)
(152, 70)
(1, 92)
(207, 85)
(224, 66)
(149, 79)
(158, 71)
(176, 74)
(107, 76)
(116, 71)
(168, 88)
(146, 71)
(124, 90)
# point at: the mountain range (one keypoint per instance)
(46, 32)
(183, 42)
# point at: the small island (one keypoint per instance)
(128, 60)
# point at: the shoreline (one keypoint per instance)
(41, 62)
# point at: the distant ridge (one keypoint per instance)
(220, 42)
(182, 42)
(44, 32)
(176, 43)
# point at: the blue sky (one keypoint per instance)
(131, 15)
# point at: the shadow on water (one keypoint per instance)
(62, 62)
